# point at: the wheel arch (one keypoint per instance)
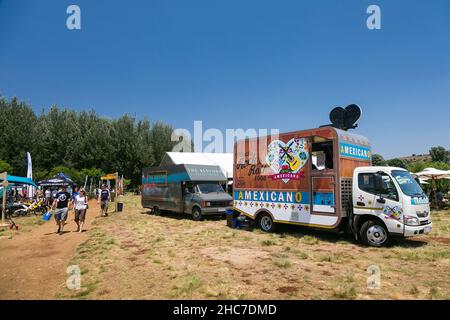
(361, 219)
(260, 212)
(196, 206)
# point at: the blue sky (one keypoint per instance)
(238, 64)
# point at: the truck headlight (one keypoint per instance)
(231, 203)
(411, 221)
(208, 204)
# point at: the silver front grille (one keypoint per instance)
(422, 214)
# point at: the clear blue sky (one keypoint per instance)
(252, 63)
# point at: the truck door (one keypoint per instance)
(364, 194)
(188, 194)
(323, 195)
(368, 200)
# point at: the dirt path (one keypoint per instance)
(33, 264)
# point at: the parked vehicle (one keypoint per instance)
(191, 189)
(38, 206)
(323, 178)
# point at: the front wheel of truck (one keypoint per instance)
(265, 223)
(375, 234)
(197, 214)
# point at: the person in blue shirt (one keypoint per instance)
(103, 199)
(75, 193)
(61, 207)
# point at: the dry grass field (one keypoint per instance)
(136, 255)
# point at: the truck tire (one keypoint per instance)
(265, 222)
(156, 211)
(375, 234)
(197, 214)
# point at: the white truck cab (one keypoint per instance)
(386, 202)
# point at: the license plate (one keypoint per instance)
(427, 229)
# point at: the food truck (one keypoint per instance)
(324, 178)
(185, 188)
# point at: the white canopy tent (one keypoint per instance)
(223, 160)
(433, 174)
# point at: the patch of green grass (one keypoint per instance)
(349, 278)
(189, 284)
(414, 290)
(158, 239)
(302, 255)
(310, 240)
(86, 290)
(282, 263)
(268, 243)
(39, 222)
(110, 241)
(434, 293)
(170, 253)
(330, 258)
(347, 293)
(441, 253)
(411, 255)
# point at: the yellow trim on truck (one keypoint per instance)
(289, 222)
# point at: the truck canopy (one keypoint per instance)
(182, 172)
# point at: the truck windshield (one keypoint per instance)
(209, 187)
(409, 186)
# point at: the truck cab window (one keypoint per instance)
(322, 155)
(366, 183)
(209, 187)
(188, 187)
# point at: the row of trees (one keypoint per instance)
(440, 159)
(78, 143)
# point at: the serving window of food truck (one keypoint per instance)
(324, 168)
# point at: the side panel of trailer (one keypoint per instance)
(161, 187)
(277, 175)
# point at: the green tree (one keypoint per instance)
(378, 160)
(416, 166)
(439, 154)
(396, 162)
(4, 166)
(17, 122)
(160, 135)
(62, 140)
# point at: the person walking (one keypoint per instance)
(104, 198)
(75, 193)
(48, 196)
(61, 207)
(80, 207)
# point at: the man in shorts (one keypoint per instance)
(61, 207)
(103, 198)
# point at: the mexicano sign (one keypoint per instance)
(354, 151)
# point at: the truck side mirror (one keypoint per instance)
(378, 182)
